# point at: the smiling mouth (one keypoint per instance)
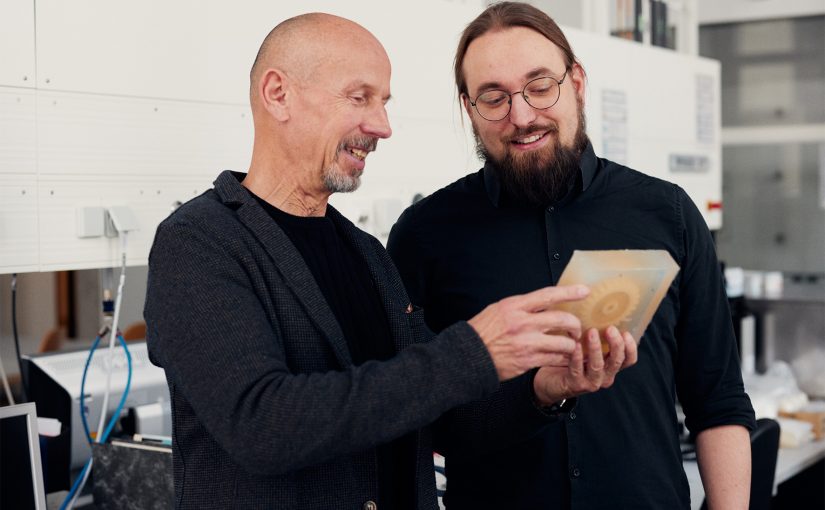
(529, 139)
(358, 153)
(358, 147)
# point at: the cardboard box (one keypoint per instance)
(812, 415)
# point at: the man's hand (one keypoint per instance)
(554, 383)
(523, 332)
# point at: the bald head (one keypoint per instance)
(303, 45)
(318, 92)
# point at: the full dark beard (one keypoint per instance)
(534, 178)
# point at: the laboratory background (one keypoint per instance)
(114, 113)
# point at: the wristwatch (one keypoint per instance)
(562, 406)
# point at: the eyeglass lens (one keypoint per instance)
(541, 93)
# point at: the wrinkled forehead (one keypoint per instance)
(359, 57)
(508, 57)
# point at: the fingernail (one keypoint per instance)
(582, 291)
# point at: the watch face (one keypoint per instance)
(562, 406)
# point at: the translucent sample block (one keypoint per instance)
(626, 288)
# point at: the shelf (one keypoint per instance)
(773, 135)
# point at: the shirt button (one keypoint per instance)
(551, 209)
(572, 415)
(370, 505)
(556, 256)
(575, 472)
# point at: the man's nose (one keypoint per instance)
(521, 113)
(377, 123)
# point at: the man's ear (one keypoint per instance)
(467, 106)
(578, 79)
(273, 93)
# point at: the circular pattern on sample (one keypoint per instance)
(610, 302)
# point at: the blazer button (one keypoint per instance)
(370, 505)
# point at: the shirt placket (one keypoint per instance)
(557, 257)
(555, 242)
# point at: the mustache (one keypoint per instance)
(367, 143)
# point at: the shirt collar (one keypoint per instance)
(588, 164)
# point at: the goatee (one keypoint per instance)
(542, 177)
(335, 179)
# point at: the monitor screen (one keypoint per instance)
(21, 475)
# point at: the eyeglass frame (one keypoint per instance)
(523, 95)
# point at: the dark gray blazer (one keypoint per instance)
(268, 410)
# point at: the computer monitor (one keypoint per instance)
(21, 474)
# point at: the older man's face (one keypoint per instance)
(344, 112)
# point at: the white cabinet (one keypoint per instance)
(656, 111)
(188, 50)
(17, 43)
(18, 131)
(18, 224)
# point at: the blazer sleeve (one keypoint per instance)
(209, 331)
(493, 423)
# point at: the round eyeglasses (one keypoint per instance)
(540, 93)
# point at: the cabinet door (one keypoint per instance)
(150, 48)
(18, 224)
(17, 43)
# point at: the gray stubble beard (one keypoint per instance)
(336, 181)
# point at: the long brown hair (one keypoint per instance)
(505, 15)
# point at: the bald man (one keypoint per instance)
(300, 374)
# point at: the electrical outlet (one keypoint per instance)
(89, 222)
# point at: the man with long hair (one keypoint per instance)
(511, 228)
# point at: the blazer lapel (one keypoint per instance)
(287, 259)
(390, 289)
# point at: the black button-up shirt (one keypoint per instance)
(469, 245)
